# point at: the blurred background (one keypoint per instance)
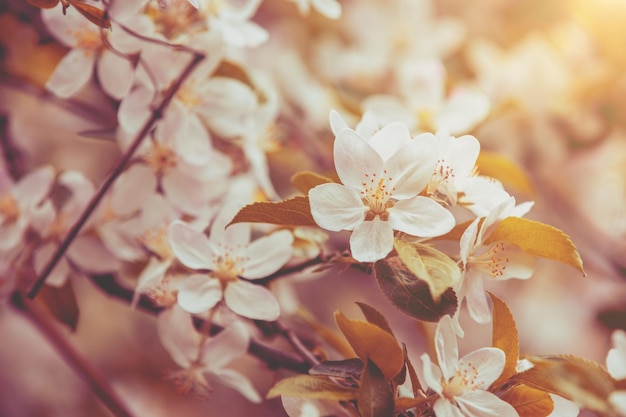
(555, 73)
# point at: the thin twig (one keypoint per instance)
(117, 169)
(292, 269)
(297, 344)
(77, 362)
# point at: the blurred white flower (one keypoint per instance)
(616, 365)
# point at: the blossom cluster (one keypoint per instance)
(217, 103)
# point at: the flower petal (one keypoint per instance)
(463, 110)
(190, 246)
(336, 207)
(484, 404)
(61, 271)
(444, 408)
(239, 383)
(520, 264)
(253, 301)
(229, 344)
(447, 347)
(616, 358)
(412, 166)
(388, 140)
(475, 296)
(267, 255)
(429, 374)
(115, 74)
(178, 335)
(134, 109)
(371, 240)
(90, 255)
(420, 216)
(487, 363)
(199, 293)
(33, 187)
(354, 157)
(72, 73)
(566, 408)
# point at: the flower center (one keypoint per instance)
(58, 228)
(160, 158)
(492, 261)
(376, 193)
(426, 120)
(228, 265)
(9, 209)
(187, 95)
(163, 294)
(156, 241)
(86, 39)
(213, 8)
(464, 380)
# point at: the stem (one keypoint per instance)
(292, 270)
(297, 344)
(12, 156)
(274, 358)
(76, 361)
(117, 169)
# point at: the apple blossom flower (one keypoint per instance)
(462, 384)
(329, 8)
(498, 261)
(424, 105)
(20, 202)
(86, 252)
(616, 365)
(201, 357)
(381, 178)
(231, 260)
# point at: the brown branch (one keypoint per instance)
(12, 155)
(76, 361)
(297, 344)
(117, 169)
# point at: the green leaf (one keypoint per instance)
(434, 267)
(505, 337)
(61, 303)
(375, 398)
(583, 381)
(305, 180)
(410, 294)
(537, 239)
(292, 212)
(371, 342)
(312, 386)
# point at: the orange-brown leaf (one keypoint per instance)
(44, 4)
(305, 180)
(312, 386)
(529, 402)
(505, 337)
(537, 239)
(504, 169)
(292, 212)
(371, 342)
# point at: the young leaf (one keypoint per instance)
(410, 294)
(92, 13)
(310, 386)
(505, 337)
(330, 336)
(436, 268)
(61, 303)
(405, 403)
(537, 239)
(585, 382)
(371, 342)
(415, 382)
(44, 4)
(504, 169)
(347, 368)
(375, 398)
(293, 212)
(305, 180)
(529, 402)
(375, 317)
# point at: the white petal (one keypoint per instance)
(11, 235)
(371, 240)
(72, 73)
(484, 404)
(388, 109)
(616, 358)
(134, 109)
(190, 246)
(388, 140)
(132, 189)
(229, 344)
(115, 74)
(429, 374)
(368, 125)
(564, 408)
(354, 157)
(61, 271)
(447, 347)
(463, 111)
(329, 8)
(239, 383)
(520, 264)
(253, 301)
(194, 143)
(199, 293)
(444, 408)
(476, 299)
(468, 240)
(235, 235)
(412, 166)
(618, 400)
(420, 216)
(336, 207)
(178, 335)
(337, 123)
(90, 255)
(185, 192)
(487, 362)
(267, 255)
(34, 186)
(151, 275)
